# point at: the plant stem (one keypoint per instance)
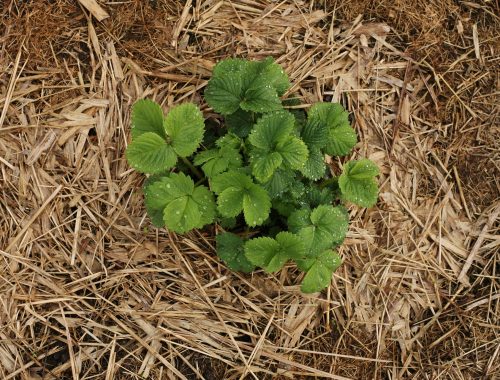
(193, 168)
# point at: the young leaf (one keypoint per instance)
(184, 206)
(230, 248)
(341, 137)
(357, 182)
(185, 126)
(341, 141)
(285, 207)
(296, 189)
(273, 145)
(272, 254)
(271, 129)
(315, 136)
(319, 272)
(147, 116)
(237, 192)
(215, 161)
(150, 153)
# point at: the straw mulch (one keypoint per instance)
(90, 290)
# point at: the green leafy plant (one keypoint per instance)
(262, 179)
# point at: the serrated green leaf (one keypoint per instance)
(237, 192)
(264, 164)
(284, 207)
(147, 116)
(183, 205)
(315, 133)
(261, 99)
(230, 202)
(240, 122)
(321, 228)
(296, 189)
(279, 182)
(229, 179)
(315, 197)
(163, 190)
(215, 161)
(361, 169)
(315, 166)
(319, 273)
(229, 140)
(272, 254)
(341, 141)
(150, 153)
(205, 156)
(230, 248)
(230, 65)
(294, 152)
(206, 203)
(154, 201)
(333, 115)
(256, 205)
(271, 129)
(299, 219)
(252, 86)
(332, 222)
(357, 182)
(185, 127)
(224, 92)
(181, 214)
(267, 73)
(333, 118)
(273, 144)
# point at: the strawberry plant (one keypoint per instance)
(261, 178)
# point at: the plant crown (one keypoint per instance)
(263, 176)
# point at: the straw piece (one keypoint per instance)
(93, 7)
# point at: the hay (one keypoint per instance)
(89, 290)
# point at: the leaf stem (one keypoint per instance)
(193, 168)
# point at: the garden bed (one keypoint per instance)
(89, 289)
